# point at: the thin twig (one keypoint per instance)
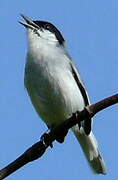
(103, 104)
(38, 149)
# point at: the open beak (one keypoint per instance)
(29, 23)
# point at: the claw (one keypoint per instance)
(46, 140)
(75, 116)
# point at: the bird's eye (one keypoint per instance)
(47, 26)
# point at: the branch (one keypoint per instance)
(103, 104)
(38, 149)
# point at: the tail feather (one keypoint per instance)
(90, 148)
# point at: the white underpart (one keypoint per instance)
(54, 92)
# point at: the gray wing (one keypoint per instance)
(75, 73)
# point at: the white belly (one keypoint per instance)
(53, 92)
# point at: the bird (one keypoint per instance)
(55, 87)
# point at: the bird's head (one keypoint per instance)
(42, 30)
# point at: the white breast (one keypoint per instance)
(50, 84)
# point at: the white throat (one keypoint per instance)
(44, 38)
(44, 46)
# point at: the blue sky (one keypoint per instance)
(91, 30)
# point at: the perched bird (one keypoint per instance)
(55, 87)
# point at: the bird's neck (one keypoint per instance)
(41, 49)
